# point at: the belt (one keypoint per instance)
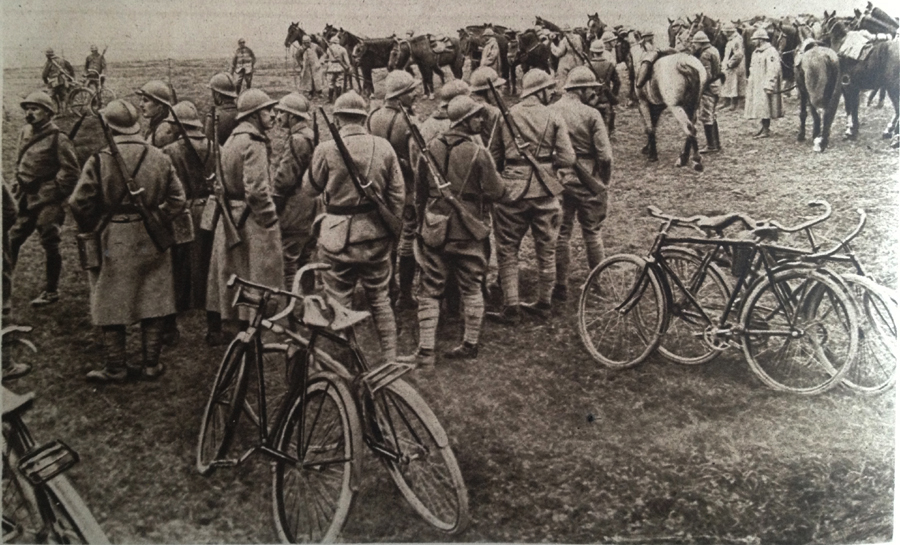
(467, 198)
(518, 161)
(125, 218)
(350, 210)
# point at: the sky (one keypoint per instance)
(183, 29)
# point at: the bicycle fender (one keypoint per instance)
(356, 436)
(411, 395)
(667, 289)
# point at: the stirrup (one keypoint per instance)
(378, 378)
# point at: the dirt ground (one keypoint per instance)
(552, 446)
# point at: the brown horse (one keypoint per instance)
(532, 52)
(817, 75)
(368, 55)
(419, 51)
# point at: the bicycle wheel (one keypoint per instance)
(100, 99)
(72, 520)
(79, 101)
(800, 331)
(684, 341)
(621, 311)
(223, 409)
(312, 497)
(876, 362)
(419, 458)
(22, 521)
(277, 365)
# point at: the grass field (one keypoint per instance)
(552, 446)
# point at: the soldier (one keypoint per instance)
(10, 211)
(764, 85)
(191, 261)
(734, 66)
(603, 61)
(491, 134)
(156, 99)
(134, 281)
(242, 66)
(353, 238)
(46, 173)
(563, 47)
(650, 53)
(439, 121)
(448, 248)
(57, 75)
(512, 56)
(535, 207)
(490, 55)
(95, 69)
(337, 63)
(295, 212)
(388, 123)
(709, 56)
(593, 153)
(309, 67)
(245, 169)
(222, 88)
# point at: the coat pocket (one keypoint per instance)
(434, 229)
(334, 232)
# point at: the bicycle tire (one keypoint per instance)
(625, 339)
(822, 338)
(74, 521)
(408, 427)
(79, 101)
(101, 99)
(875, 370)
(276, 368)
(22, 521)
(333, 412)
(683, 342)
(223, 409)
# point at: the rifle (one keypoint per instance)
(393, 223)
(315, 129)
(77, 126)
(159, 232)
(472, 224)
(553, 185)
(232, 235)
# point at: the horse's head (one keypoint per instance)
(595, 25)
(329, 31)
(294, 34)
(676, 27)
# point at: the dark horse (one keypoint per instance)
(817, 75)
(880, 68)
(532, 52)
(713, 31)
(419, 51)
(295, 34)
(370, 54)
(471, 40)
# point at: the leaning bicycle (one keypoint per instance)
(89, 95)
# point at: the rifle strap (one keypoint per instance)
(34, 140)
(104, 221)
(300, 163)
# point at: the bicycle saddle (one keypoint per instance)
(328, 312)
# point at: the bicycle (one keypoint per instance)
(39, 503)
(325, 414)
(84, 99)
(796, 325)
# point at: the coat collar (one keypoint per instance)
(245, 127)
(129, 139)
(352, 130)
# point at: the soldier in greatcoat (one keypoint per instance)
(58, 76)
(587, 203)
(309, 67)
(353, 238)
(95, 68)
(603, 61)
(566, 47)
(194, 169)
(248, 190)
(709, 97)
(734, 66)
(46, 173)
(764, 86)
(337, 63)
(491, 134)
(222, 88)
(156, 99)
(446, 246)
(242, 65)
(535, 207)
(295, 212)
(134, 281)
(439, 122)
(490, 55)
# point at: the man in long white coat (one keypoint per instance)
(764, 88)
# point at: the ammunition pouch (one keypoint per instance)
(90, 254)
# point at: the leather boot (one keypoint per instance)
(114, 369)
(710, 141)
(715, 134)
(465, 351)
(407, 275)
(151, 343)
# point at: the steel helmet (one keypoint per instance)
(453, 89)
(729, 27)
(478, 80)
(608, 37)
(94, 48)
(648, 34)
(534, 81)
(39, 98)
(241, 41)
(488, 32)
(597, 47)
(49, 52)
(222, 84)
(251, 101)
(158, 91)
(350, 103)
(122, 116)
(294, 103)
(760, 34)
(461, 108)
(187, 114)
(700, 38)
(334, 39)
(398, 82)
(579, 77)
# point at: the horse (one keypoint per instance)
(817, 75)
(295, 34)
(675, 83)
(368, 55)
(679, 32)
(596, 27)
(419, 51)
(713, 31)
(880, 68)
(532, 52)
(786, 40)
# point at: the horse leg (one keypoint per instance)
(512, 78)
(804, 99)
(440, 72)
(831, 107)
(649, 119)
(851, 106)
(690, 143)
(427, 80)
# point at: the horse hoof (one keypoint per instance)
(801, 138)
(886, 135)
(679, 163)
(645, 150)
(698, 167)
(817, 145)
(653, 158)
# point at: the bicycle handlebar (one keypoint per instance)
(853, 234)
(294, 295)
(806, 224)
(721, 222)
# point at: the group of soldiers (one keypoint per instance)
(58, 74)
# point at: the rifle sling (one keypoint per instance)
(104, 221)
(34, 140)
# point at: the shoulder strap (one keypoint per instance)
(104, 221)
(450, 147)
(33, 141)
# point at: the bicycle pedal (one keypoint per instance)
(378, 378)
(225, 463)
(47, 461)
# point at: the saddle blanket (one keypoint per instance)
(440, 43)
(856, 46)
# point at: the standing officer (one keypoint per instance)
(134, 282)
(388, 123)
(222, 87)
(734, 66)
(337, 63)
(603, 61)
(309, 67)
(709, 56)
(764, 86)
(586, 201)
(295, 212)
(242, 66)
(245, 169)
(156, 99)
(57, 75)
(46, 173)
(490, 55)
(95, 69)
(535, 207)
(448, 247)
(353, 238)
(191, 261)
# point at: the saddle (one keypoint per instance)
(440, 43)
(857, 45)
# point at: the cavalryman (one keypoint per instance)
(535, 206)
(134, 281)
(222, 88)
(46, 173)
(95, 68)
(191, 260)
(603, 61)
(156, 99)
(491, 129)
(337, 63)
(57, 75)
(447, 247)
(650, 53)
(247, 185)
(242, 66)
(593, 154)
(295, 211)
(388, 123)
(709, 56)
(353, 238)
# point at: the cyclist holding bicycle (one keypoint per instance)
(95, 69)
(58, 74)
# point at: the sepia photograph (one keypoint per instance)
(425, 271)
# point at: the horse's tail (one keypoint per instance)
(832, 71)
(691, 85)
